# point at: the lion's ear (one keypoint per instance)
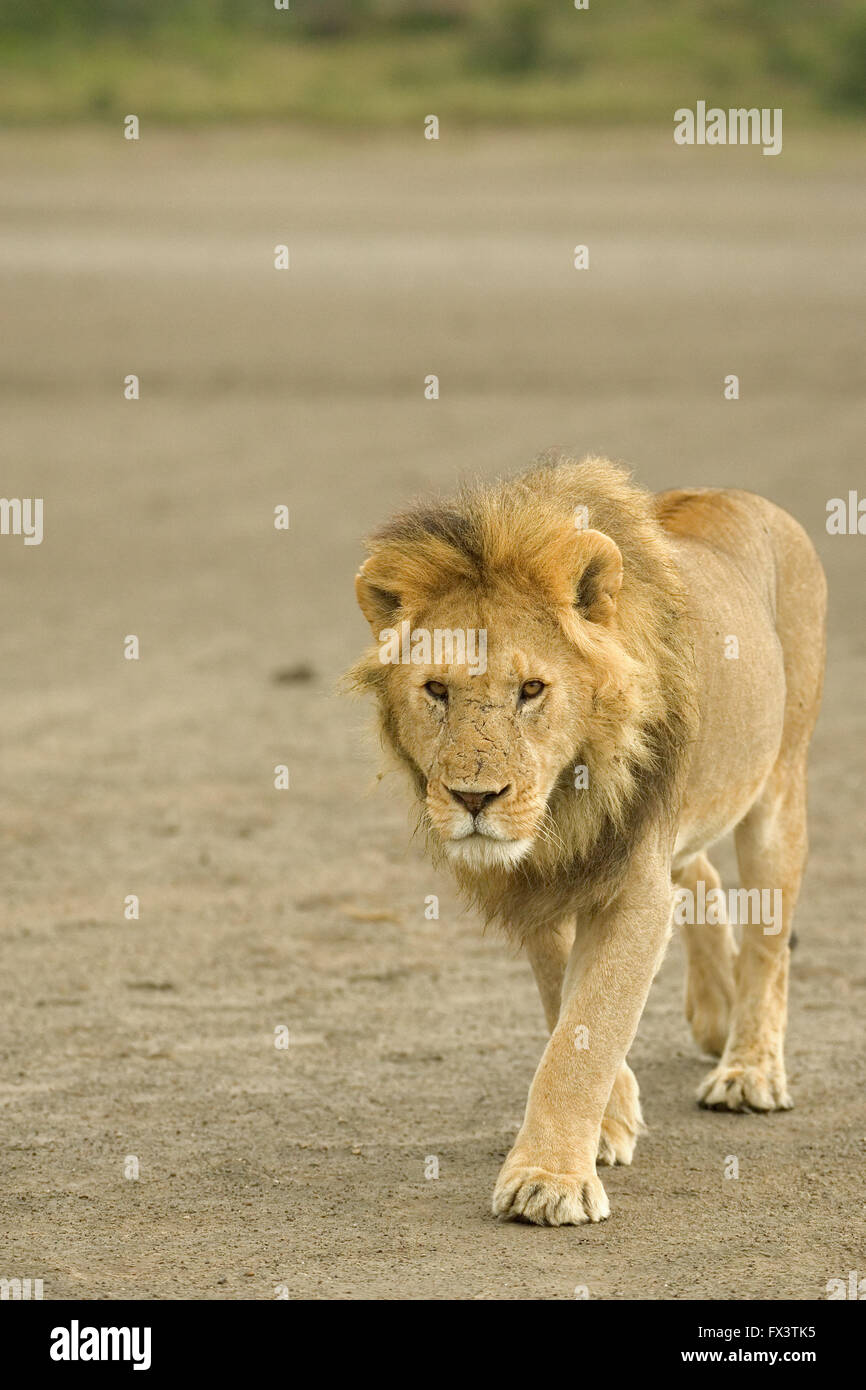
(598, 578)
(376, 603)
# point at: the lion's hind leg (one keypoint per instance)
(771, 849)
(771, 843)
(711, 954)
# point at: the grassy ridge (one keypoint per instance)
(387, 62)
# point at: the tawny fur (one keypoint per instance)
(621, 607)
(510, 539)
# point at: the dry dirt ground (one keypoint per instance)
(304, 1168)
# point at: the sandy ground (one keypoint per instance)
(304, 1168)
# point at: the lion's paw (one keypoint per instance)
(745, 1086)
(616, 1142)
(549, 1199)
(622, 1122)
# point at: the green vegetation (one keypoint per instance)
(387, 62)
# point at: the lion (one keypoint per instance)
(651, 676)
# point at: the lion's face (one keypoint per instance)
(491, 743)
(491, 676)
(545, 749)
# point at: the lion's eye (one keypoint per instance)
(437, 690)
(531, 689)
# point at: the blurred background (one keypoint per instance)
(410, 1037)
(371, 62)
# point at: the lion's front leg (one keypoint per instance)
(549, 1177)
(548, 950)
(622, 1121)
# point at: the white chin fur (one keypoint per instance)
(481, 852)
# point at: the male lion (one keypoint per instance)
(652, 678)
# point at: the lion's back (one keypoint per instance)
(770, 546)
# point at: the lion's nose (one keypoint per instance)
(475, 801)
